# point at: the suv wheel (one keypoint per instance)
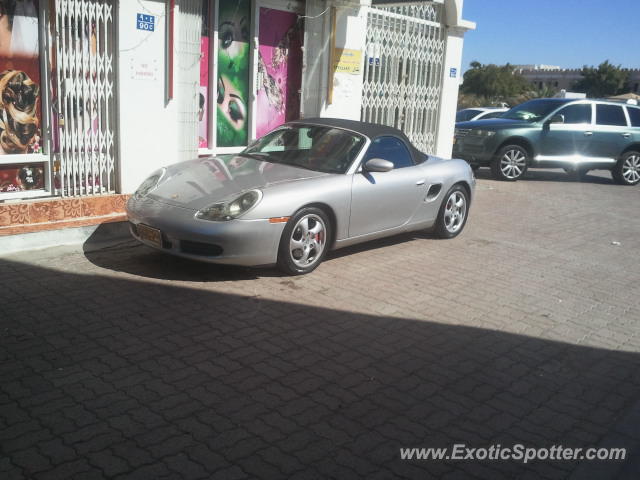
(511, 163)
(627, 170)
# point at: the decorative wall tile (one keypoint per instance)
(61, 209)
(72, 208)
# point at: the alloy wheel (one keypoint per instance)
(455, 212)
(308, 241)
(631, 169)
(513, 164)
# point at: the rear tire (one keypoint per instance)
(510, 163)
(453, 213)
(304, 242)
(627, 170)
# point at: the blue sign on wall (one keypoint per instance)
(453, 73)
(146, 22)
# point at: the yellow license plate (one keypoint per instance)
(149, 234)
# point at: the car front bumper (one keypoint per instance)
(233, 242)
(475, 149)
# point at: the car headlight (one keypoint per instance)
(149, 184)
(484, 133)
(219, 212)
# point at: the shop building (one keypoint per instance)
(97, 94)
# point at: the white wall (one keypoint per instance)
(350, 33)
(456, 28)
(450, 88)
(147, 124)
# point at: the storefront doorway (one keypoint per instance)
(278, 65)
(250, 70)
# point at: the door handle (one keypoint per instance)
(588, 134)
(626, 135)
(420, 183)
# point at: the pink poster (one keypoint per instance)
(279, 69)
(203, 97)
(203, 93)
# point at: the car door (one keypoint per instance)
(611, 133)
(570, 138)
(384, 200)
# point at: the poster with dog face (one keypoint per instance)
(20, 109)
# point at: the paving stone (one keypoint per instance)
(125, 363)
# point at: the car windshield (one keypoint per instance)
(465, 115)
(532, 111)
(319, 148)
(492, 115)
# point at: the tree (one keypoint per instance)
(604, 81)
(496, 83)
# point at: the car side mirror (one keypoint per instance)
(378, 165)
(556, 119)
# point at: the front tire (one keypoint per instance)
(511, 163)
(304, 242)
(627, 170)
(453, 213)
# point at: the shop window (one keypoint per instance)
(229, 115)
(224, 84)
(23, 166)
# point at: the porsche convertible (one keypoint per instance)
(303, 189)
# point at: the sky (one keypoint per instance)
(568, 33)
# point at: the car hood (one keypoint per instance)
(492, 123)
(197, 184)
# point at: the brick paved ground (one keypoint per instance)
(124, 363)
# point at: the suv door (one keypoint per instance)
(611, 133)
(558, 141)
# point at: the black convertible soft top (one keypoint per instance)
(370, 130)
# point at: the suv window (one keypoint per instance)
(610, 115)
(579, 113)
(634, 114)
(391, 149)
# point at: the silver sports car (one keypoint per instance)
(299, 191)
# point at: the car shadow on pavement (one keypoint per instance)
(105, 376)
(129, 256)
(599, 177)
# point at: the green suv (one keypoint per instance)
(577, 135)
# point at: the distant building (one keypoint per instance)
(537, 67)
(564, 78)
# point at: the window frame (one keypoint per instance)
(45, 157)
(629, 109)
(620, 106)
(577, 104)
(401, 140)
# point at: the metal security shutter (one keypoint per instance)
(403, 70)
(83, 82)
(188, 76)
